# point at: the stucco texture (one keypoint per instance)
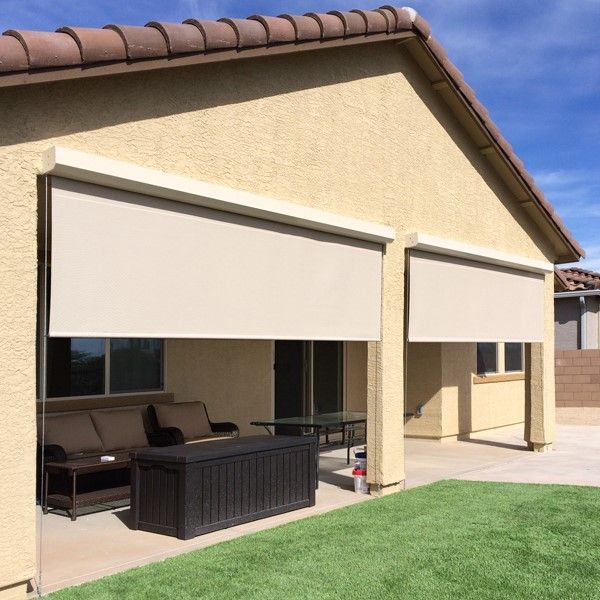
(358, 131)
(441, 379)
(232, 377)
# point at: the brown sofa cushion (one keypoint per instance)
(189, 417)
(120, 429)
(74, 432)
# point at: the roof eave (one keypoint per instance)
(185, 60)
(573, 251)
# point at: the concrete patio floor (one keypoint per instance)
(100, 543)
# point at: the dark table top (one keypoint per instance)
(334, 419)
(210, 450)
(90, 464)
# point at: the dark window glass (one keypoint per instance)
(75, 367)
(487, 358)
(513, 357)
(135, 365)
(327, 377)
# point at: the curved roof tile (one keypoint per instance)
(353, 24)
(331, 25)
(141, 42)
(375, 21)
(217, 34)
(22, 50)
(181, 38)
(279, 30)
(97, 45)
(402, 16)
(249, 33)
(12, 55)
(306, 28)
(46, 49)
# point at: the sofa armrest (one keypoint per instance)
(225, 429)
(172, 434)
(53, 453)
(161, 438)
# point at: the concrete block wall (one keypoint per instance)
(577, 378)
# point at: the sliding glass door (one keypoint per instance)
(309, 378)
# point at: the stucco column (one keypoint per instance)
(539, 384)
(385, 397)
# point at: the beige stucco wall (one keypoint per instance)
(424, 387)
(358, 131)
(232, 377)
(356, 376)
(440, 377)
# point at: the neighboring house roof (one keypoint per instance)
(561, 283)
(580, 279)
(34, 56)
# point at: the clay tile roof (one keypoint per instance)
(217, 35)
(306, 28)
(279, 30)
(561, 283)
(97, 45)
(141, 42)
(353, 24)
(47, 49)
(331, 26)
(374, 20)
(250, 33)
(31, 53)
(181, 38)
(12, 55)
(580, 279)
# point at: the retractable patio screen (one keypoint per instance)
(457, 300)
(129, 265)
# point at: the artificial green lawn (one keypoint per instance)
(452, 539)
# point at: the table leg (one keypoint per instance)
(45, 501)
(74, 498)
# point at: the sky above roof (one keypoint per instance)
(535, 65)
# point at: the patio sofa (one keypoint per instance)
(81, 434)
(86, 434)
(187, 423)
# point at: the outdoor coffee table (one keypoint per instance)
(81, 466)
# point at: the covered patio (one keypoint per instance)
(100, 543)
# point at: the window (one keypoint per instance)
(513, 357)
(76, 367)
(98, 366)
(487, 358)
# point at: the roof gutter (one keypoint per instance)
(577, 294)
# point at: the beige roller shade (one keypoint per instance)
(457, 300)
(129, 265)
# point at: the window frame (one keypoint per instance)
(107, 393)
(501, 371)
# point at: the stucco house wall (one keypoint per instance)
(442, 379)
(356, 131)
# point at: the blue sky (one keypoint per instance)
(534, 64)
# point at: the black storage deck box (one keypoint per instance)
(192, 489)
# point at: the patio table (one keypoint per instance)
(321, 423)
